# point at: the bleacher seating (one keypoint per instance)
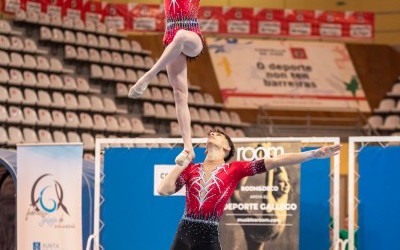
(67, 81)
(385, 119)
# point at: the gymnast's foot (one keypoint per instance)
(140, 86)
(185, 157)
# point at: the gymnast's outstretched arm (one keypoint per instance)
(295, 158)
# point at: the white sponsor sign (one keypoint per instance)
(54, 11)
(209, 25)
(238, 26)
(12, 6)
(330, 29)
(286, 74)
(300, 29)
(360, 30)
(144, 23)
(115, 21)
(93, 17)
(74, 14)
(33, 7)
(269, 27)
(160, 172)
(49, 197)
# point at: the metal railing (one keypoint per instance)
(312, 122)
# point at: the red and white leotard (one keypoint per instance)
(206, 199)
(180, 14)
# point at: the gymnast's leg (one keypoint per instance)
(186, 42)
(177, 74)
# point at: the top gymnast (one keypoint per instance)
(182, 40)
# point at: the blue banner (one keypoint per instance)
(314, 204)
(134, 218)
(378, 210)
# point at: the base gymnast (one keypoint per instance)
(210, 184)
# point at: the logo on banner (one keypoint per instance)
(300, 17)
(207, 13)
(238, 14)
(113, 10)
(47, 202)
(360, 18)
(74, 4)
(42, 192)
(92, 7)
(269, 16)
(45, 246)
(330, 18)
(250, 153)
(36, 246)
(298, 53)
(143, 10)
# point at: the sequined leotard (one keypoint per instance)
(206, 199)
(180, 14)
